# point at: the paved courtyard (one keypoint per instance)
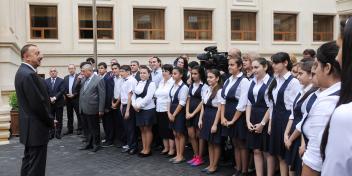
(64, 159)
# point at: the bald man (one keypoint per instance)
(56, 89)
(234, 52)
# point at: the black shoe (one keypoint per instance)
(143, 155)
(125, 150)
(86, 147)
(107, 144)
(58, 136)
(51, 137)
(79, 132)
(68, 132)
(132, 151)
(96, 148)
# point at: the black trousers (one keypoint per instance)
(120, 135)
(72, 105)
(130, 127)
(108, 125)
(34, 160)
(93, 129)
(57, 113)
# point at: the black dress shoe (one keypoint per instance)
(96, 148)
(68, 132)
(125, 150)
(132, 151)
(107, 144)
(164, 153)
(86, 147)
(79, 132)
(143, 155)
(58, 136)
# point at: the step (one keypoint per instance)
(5, 118)
(4, 134)
(4, 142)
(5, 125)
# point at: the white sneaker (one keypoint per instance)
(125, 147)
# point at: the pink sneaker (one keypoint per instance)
(199, 161)
(192, 160)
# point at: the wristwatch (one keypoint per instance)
(262, 123)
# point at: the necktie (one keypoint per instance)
(52, 83)
(86, 83)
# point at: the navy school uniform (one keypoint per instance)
(235, 99)
(292, 157)
(210, 106)
(143, 97)
(256, 98)
(178, 96)
(280, 111)
(195, 98)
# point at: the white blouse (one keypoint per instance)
(117, 87)
(241, 92)
(290, 94)
(128, 85)
(196, 86)
(162, 95)
(216, 100)
(314, 126)
(257, 86)
(338, 160)
(303, 107)
(182, 94)
(147, 102)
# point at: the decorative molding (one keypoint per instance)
(14, 46)
(252, 3)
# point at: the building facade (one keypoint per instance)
(138, 29)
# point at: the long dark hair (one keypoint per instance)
(217, 74)
(346, 79)
(201, 73)
(181, 71)
(265, 63)
(279, 57)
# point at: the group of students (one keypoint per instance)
(267, 112)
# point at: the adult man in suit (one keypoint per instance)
(91, 105)
(109, 95)
(35, 116)
(135, 70)
(55, 87)
(71, 96)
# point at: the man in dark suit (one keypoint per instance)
(91, 105)
(56, 89)
(35, 117)
(71, 96)
(135, 70)
(109, 96)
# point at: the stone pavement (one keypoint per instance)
(64, 159)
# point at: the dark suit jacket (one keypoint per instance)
(75, 86)
(137, 76)
(92, 98)
(34, 107)
(57, 92)
(109, 90)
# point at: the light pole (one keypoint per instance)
(95, 46)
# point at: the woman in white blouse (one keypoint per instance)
(143, 104)
(281, 94)
(162, 97)
(320, 106)
(337, 141)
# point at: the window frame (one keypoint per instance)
(148, 30)
(42, 29)
(211, 40)
(333, 28)
(241, 31)
(296, 14)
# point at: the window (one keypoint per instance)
(104, 22)
(323, 27)
(198, 25)
(43, 22)
(285, 27)
(148, 24)
(243, 26)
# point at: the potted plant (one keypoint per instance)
(14, 128)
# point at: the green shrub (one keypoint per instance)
(13, 101)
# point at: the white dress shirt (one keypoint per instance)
(303, 91)
(71, 79)
(314, 126)
(127, 87)
(162, 94)
(216, 100)
(290, 94)
(182, 94)
(117, 86)
(257, 86)
(30, 66)
(196, 86)
(241, 92)
(157, 76)
(338, 160)
(147, 102)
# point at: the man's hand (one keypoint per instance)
(52, 99)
